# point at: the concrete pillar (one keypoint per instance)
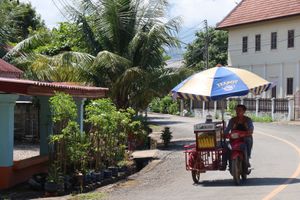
(242, 100)
(256, 106)
(7, 104)
(181, 107)
(265, 77)
(45, 124)
(273, 108)
(298, 76)
(291, 115)
(281, 75)
(227, 103)
(203, 108)
(215, 107)
(191, 105)
(80, 111)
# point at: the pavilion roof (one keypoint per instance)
(38, 88)
(9, 71)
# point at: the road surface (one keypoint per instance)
(275, 159)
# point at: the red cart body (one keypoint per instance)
(207, 152)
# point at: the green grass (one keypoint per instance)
(265, 118)
(155, 128)
(89, 196)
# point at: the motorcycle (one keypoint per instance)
(238, 162)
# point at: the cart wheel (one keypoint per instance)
(236, 167)
(196, 176)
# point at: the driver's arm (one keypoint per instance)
(228, 127)
(250, 126)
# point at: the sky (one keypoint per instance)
(192, 13)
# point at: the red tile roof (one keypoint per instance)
(8, 70)
(249, 11)
(37, 88)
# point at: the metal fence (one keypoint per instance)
(264, 104)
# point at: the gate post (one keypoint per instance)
(273, 108)
(256, 106)
(203, 109)
(291, 109)
(181, 107)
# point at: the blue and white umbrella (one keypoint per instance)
(220, 82)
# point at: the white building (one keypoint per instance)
(264, 37)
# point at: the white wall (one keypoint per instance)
(274, 65)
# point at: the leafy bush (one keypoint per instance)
(231, 107)
(165, 105)
(264, 118)
(166, 136)
(173, 108)
(155, 105)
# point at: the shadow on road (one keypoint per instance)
(249, 182)
(167, 122)
(176, 146)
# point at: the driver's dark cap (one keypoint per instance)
(241, 106)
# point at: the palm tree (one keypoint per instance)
(127, 39)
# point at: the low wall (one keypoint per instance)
(22, 170)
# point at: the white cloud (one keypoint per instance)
(194, 12)
(48, 11)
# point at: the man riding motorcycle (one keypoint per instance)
(240, 123)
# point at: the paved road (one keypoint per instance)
(276, 174)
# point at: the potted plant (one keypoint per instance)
(54, 181)
(166, 136)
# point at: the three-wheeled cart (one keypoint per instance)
(207, 152)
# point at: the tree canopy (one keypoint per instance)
(195, 54)
(117, 44)
(17, 21)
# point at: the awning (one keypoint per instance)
(37, 88)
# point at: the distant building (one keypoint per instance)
(264, 37)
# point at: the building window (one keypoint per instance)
(257, 42)
(274, 40)
(245, 44)
(273, 92)
(291, 38)
(289, 88)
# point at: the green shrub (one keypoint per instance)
(173, 109)
(155, 105)
(231, 107)
(166, 136)
(165, 103)
(264, 118)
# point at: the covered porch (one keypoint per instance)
(14, 171)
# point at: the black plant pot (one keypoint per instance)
(97, 176)
(107, 173)
(114, 171)
(51, 187)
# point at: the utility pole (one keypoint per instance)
(206, 44)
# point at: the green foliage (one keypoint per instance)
(70, 147)
(125, 41)
(63, 107)
(17, 20)
(164, 105)
(67, 37)
(110, 128)
(231, 107)
(166, 136)
(264, 118)
(195, 55)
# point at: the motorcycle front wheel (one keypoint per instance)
(236, 170)
(196, 176)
